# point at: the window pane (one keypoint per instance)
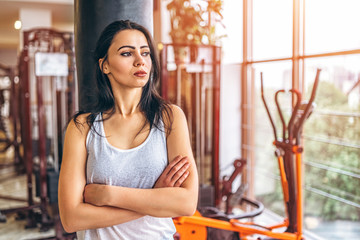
(276, 76)
(332, 148)
(232, 43)
(331, 25)
(272, 29)
(340, 73)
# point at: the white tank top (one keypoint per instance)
(138, 167)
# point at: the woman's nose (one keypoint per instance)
(139, 61)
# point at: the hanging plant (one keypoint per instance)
(194, 22)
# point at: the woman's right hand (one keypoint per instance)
(174, 174)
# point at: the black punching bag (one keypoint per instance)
(91, 17)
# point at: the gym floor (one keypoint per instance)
(12, 185)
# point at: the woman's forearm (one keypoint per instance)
(87, 216)
(174, 194)
(157, 202)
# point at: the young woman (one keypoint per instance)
(127, 165)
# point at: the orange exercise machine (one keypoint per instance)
(288, 152)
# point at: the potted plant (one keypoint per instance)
(194, 23)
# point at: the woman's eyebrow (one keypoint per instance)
(132, 47)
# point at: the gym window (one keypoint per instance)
(287, 41)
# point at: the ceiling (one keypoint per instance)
(62, 12)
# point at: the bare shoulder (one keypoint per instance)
(174, 117)
(177, 111)
(179, 122)
(79, 125)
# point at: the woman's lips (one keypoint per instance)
(140, 73)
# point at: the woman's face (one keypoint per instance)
(129, 63)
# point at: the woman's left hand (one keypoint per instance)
(95, 194)
(174, 174)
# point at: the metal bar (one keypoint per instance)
(267, 110)
(311, 189)
(27, 118)
(270, 60)
(243, 228)
(72, 84)
(11, 198)
(329, 54)
(279, 113)
(355, 51)
(336, 113)
(306, 112)
(328, 195)
(19, 209)
(296, 46)
(164, 73)
(202, 128)
(15, 115)
(290, 170)
(302, 47)
(178, 84)
(252, 156)
(299, 184)
(42, 147)
(245, 93)
(54, 120)
(216, 121)
(271, 175)
(200, 161)
(63, 103)
(335, 190)
(345, 195)
(332, 169)
(284, 183)
(339, 143)
(303, 27)
(243, 90)
(340, 166)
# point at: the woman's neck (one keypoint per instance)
(126, 102)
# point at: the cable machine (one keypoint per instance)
(47, 86)
(9, 116)
(190, 78)
(9, 124)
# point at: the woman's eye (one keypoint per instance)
(145, 54)
(126, 54)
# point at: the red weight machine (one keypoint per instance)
(9, 117)
(47, 89)
(190, 78)
(9, 124)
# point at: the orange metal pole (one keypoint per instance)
(280, 225)
(284, 182)
(233, 225)
(300, 194)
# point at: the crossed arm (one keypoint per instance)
(174, 194)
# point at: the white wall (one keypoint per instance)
(230, 116)
(230, 98)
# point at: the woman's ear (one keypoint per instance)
(104, 67)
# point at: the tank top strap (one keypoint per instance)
(95, 129)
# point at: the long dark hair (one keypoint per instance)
(151, 104)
